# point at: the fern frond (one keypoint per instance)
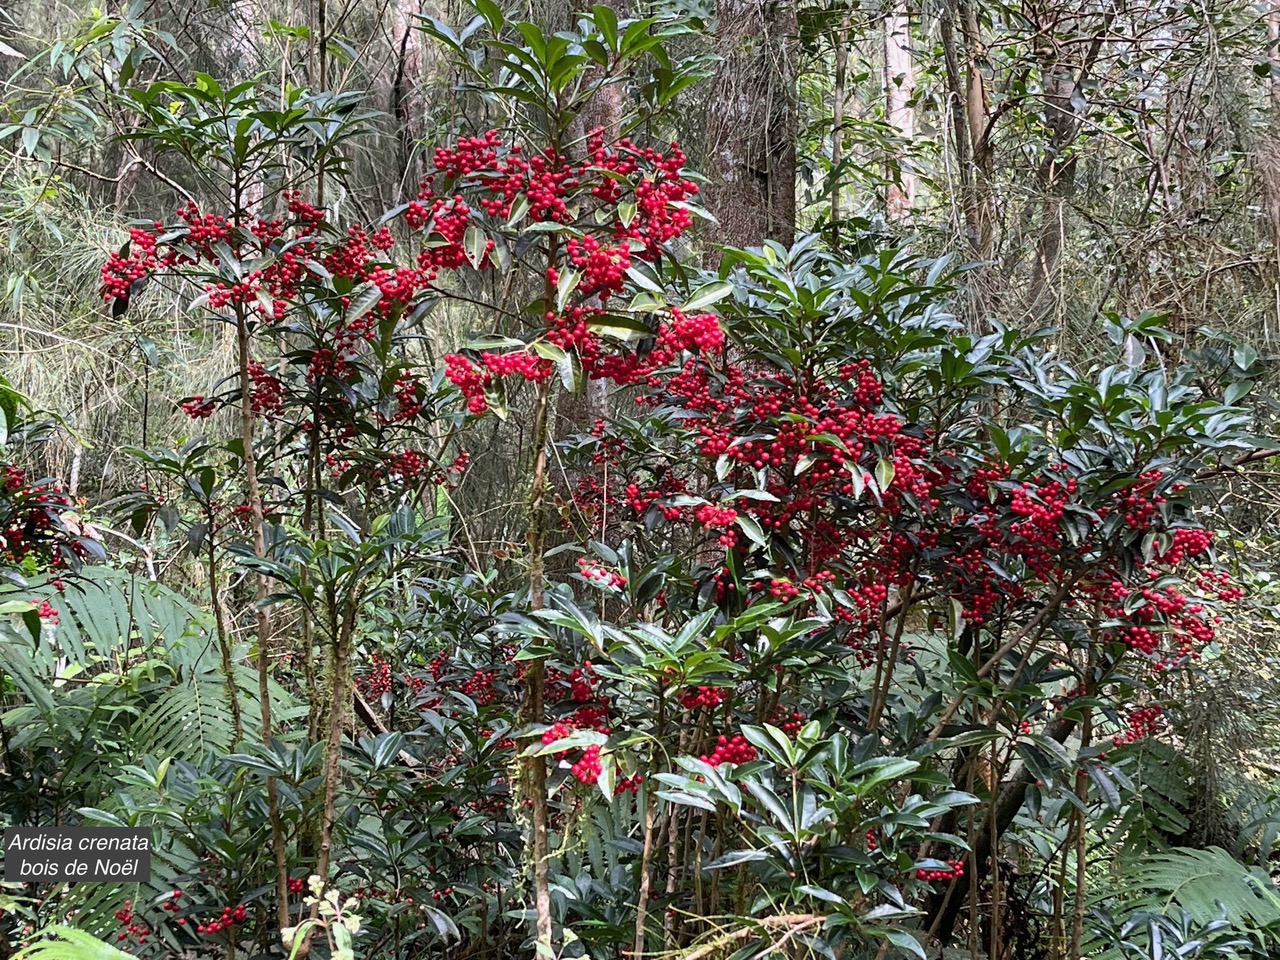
(1208, 884)
(57, 942)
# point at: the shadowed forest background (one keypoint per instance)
(686, 480)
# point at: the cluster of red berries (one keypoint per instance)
(868, 392)
(199, 407)
(783, 589)
(595, 573)
(131, 926)
(582, 683)
(453, 475)
(604, 267)
(733, 749)
(268, 390)
(1141, 639)
(557, 731)
(1143, 722)
(408, 465)
(518, 363)
(296, 885)
(32, 529)
(696, 697)
(47, 613)
(230, 917)
(470, 380)
(791, 724)
(697, 334)
(588, 769)
(480, 687)
(123, 269)
(954, 872)
(628, 785)
(378, 680)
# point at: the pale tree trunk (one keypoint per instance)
(981, 211)
(899, 86)
(751, 128)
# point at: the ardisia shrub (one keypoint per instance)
(834, 593)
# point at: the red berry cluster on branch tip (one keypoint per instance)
(696, 697)
(582, 683)
(408, 465)
(231, 916)
(452, 476)
(32, 530)
(132, 926)
(480, 687)
(267, 396)
(597, 574)
(199, 407)
(955, 872)
(791, 723)
(1142, 723)
(471, 380)
(588, 769)
(46, 612)
(604, 267)
(628, 785)
(1023, 730)
(783, 589)
(733, 749)
(296, 885)
(557, 731)
(122, 270)
(377, 681)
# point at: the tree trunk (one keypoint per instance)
(1065, 108)
(751, 128)
(407, 104)
(899, 86)
(577, 411)
(981, 215)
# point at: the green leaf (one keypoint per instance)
(568, 282)
(752, 529)
(905, 941)
(57, 942)
(820, 893)
(735, 857)
(885, 472)
(642, 280)
(707, 294)
(475, 243)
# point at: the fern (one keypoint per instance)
(57, 942)
(1208, 884)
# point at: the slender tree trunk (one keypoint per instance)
(1065, 107)
(976, 113)
(751, 127)
(840, 45)
(1268, 152)
(406, 101)
(534, 769)
(899, 86)
(576, 411)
